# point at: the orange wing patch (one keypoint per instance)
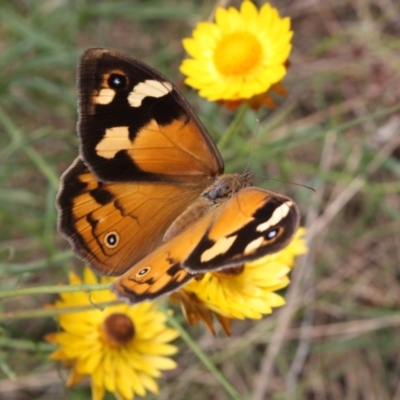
(174, 149)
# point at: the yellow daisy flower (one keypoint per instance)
(240, 56)
(243, 292)
(122, 348)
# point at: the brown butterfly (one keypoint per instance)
(147, 199)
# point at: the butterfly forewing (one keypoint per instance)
(135, 126)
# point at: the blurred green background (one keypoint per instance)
(338, 131)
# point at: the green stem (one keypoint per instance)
(234, 126)
(34, 266)
(52, 311)
(53, 289)
(27, 345)
(202, 357)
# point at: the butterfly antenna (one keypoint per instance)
(287, 182)
(253, 149)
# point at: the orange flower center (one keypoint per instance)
(118, 329)
(237, 53)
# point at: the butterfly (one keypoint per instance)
(147, 199)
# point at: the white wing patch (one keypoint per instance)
(148, 88)
(276, 216)
(115, 140)
(221, 246)
(105, 96)
(255, 244)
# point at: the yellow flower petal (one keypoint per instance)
(149, 383)
(97, 392)
(163, 363)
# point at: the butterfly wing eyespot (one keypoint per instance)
(272, 233)
(117, 81)
(143, 272)
(111, 239)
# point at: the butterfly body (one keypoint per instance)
(147, 199)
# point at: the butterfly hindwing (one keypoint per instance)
(136, 126)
